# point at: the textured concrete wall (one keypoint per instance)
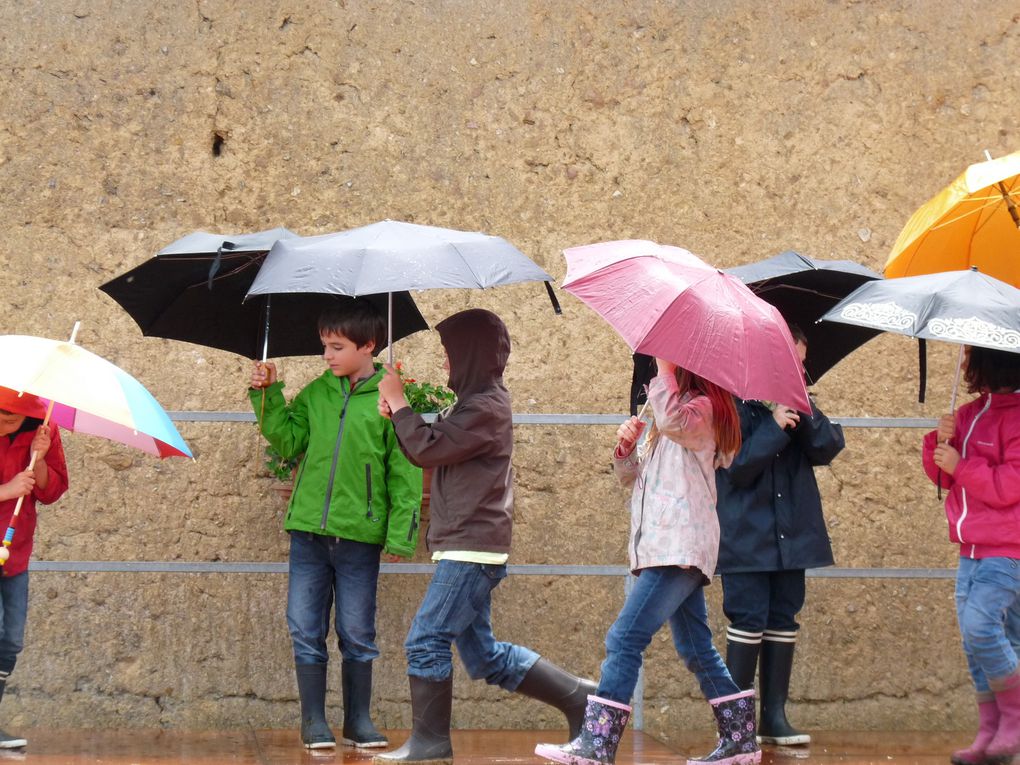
(729, 128)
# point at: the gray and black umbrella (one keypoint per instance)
(965, 307)
(390, 256)
(804, 289)
(194, 290)
(962, 307)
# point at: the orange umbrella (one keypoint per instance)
(974, 221)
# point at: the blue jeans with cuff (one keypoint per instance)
(988, 610)
(328, 572)
(457, 610)
(661, 594)
(14, 611)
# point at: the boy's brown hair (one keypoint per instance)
(357, 320)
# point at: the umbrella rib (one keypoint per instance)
(792, 288)
(989, 202)
(252, 261)
(468, 264)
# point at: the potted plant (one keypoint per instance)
(425, 398)
(282, 469)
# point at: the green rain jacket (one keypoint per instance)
(353, 480)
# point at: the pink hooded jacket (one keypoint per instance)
(983, 505)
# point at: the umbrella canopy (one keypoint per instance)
(194, 290)
(803, 289)
(88, 394)
(666, 302)
(974, 221)
(965, 307)
(389, 256)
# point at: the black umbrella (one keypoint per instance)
(803, 289)
(194, 290)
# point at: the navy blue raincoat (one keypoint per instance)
(770, 511)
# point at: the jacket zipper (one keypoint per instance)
(963, 492)
(641, 516)
(368, 491)
(336, 454)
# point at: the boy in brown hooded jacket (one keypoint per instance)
(470, 447)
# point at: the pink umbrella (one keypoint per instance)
(666, 302)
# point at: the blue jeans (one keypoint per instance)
(988, 610)
(14, 608)
(327, 571)
(662, 594)
(457, 610)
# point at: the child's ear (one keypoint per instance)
(369, 346)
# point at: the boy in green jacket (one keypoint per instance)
(355, 496)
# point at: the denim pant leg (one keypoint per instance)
(457, 601)
(14, 609)
(356, 571)
(656, 595)
(692, 638)
(485, 658)
(987, 605)
(309, 596)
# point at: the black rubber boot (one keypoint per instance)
(776, 666)
(429, 743)
(356, 683)
(742, 657)
(7, 741)
(555, 686)
(311, 682)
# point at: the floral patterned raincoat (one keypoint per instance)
(673, 517)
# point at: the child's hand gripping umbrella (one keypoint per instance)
(84, 393)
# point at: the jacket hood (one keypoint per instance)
(478, 346)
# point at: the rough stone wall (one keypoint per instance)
(733, 128)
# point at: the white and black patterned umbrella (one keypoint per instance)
(964, 307)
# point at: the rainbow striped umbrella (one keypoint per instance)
(88, 393)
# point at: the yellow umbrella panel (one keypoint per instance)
(974, 221)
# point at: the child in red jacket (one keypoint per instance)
(976, 456)
(21, 434)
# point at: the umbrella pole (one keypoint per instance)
(956, 382)
(389, 325)
(644, 406)
(265, 351)
(952, 407)
(5, 551)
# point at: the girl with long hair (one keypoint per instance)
(674, 541)
(975, 453)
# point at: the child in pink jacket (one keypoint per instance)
(976, 457)
(674, 542)
(21, 433)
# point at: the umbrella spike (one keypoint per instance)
(74, 332)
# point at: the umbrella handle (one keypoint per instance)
(5, 552)
(552, 297)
